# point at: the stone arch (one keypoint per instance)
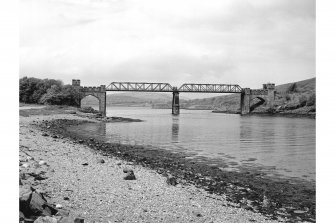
(85, 95)
(101, 96)
(257, 104)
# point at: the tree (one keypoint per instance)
(27, 88)
(43, 86)
(70, 95)
(32, 89)
(52, 96)
(61, 95)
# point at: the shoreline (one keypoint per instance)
(241, 190)
(280, 114)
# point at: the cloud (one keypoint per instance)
(235, 41)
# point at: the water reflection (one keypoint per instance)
(175, 129)
(101, 129)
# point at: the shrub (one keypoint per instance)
(287, 97)
(302, 100)
(293, 88)
(311, 100)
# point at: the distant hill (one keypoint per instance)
(132, 99)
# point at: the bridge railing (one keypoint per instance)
(139, 86)
(211, 88)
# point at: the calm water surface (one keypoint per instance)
(278, 145)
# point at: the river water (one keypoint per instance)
(280, 146)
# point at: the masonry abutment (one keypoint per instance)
(271, 94)
(98, 92)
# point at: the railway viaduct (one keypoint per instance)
(265, 94)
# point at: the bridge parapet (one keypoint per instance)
(270, 86)
(102, 88)
(258, 91)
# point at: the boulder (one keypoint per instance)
(70, 220)
(45, 134)
(36, 205)
(101, 161)
(32, 203)
(42, 162)
(25, 194)
(66, 220)
(46, 219)
(23, 176)
(171, 180)
(22, 217)
(63, 213)
(127, 170)
(130, 176)
(78, 220)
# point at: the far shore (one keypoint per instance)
(250, 192)
(284, 113)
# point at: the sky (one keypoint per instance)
(244, 42)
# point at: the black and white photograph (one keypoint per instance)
(166, 111)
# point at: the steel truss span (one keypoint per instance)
(211, 88)
(165, 87)
(140, 86)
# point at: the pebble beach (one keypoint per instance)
(91, 185)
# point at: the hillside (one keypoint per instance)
(300, 100)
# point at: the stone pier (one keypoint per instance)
(245, 101)
(271, 94)
(175, 103)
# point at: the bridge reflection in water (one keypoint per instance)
(175, 129)
(100, 130)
